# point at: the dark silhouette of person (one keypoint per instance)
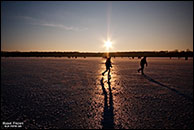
(142, 63)
(108, 65)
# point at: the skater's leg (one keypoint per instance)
(142, 68)
(109, 71)
(105, 71)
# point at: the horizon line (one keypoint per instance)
(176, 50)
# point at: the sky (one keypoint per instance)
(85, 25)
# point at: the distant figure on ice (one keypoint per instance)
(142, 63)
(108, 65)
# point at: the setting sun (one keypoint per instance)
(108, 44)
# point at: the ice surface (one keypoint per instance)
(68, 93)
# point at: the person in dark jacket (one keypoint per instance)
(108, 65)
(142, 63)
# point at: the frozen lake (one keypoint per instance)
(70, 93)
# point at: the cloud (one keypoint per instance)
(27, 18)
(34, 21)
(68, 28)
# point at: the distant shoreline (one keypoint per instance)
(185, 54)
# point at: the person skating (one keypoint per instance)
(108, 65)
(142, 63)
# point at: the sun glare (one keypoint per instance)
(108, 44)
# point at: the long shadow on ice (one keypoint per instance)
(172, 89)
(108, 115)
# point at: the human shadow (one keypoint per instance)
(108, 115)
(172, 89)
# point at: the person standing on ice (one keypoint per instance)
(108, 65)
(142, 63)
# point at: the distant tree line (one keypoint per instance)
(92, 54)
